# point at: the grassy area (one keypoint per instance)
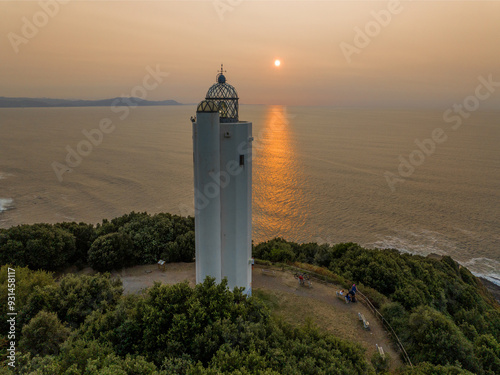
(318, 308)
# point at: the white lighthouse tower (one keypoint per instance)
(222, 155)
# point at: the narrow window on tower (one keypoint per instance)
(242, 160)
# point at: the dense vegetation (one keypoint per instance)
(84, 325)
(135, 238)
(446, 319)
(441, 312)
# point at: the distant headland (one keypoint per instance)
(48, 102)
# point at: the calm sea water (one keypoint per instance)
(318, 175)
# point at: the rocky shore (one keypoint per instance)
(492, 287)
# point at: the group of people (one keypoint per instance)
(350, 296)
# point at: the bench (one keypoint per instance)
(268, 272)
(366, 323)
(380, 351)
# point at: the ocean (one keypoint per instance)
(405, 179)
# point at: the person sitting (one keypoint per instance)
(341, 292)
(348, 298)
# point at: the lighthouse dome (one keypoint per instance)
(226, 98)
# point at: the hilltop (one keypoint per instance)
(285, 298)
(445, 318)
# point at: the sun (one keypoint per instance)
(277, 62)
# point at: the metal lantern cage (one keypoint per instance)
(225, 97)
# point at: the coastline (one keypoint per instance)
(492, 287)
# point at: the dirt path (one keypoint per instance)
(138, 278)
(295, 303)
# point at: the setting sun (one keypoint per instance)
(277, 62)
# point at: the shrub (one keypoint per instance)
(276, 250)
(111, 251)
(381, 364)
(487, 350)
(44, 334)
(85, 235)
(74, 297)
(436, 339)
(37, 246)
(426, 368)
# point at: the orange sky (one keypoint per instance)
(429, 53)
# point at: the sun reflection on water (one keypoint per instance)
(278, 179)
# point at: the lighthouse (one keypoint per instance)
(222, 157)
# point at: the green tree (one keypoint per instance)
(487, 350)
(37, 246)
(163, 235)
(276, 250)
(381, 363)
(75, 297)
(79, 296)
(436, 339)
(149, 234)
(426, 368)
(186, 244)
(43, 335)
(85, 235)
(111, 251)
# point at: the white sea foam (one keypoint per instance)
(422, 242)
(484, 267)
(6, 204)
